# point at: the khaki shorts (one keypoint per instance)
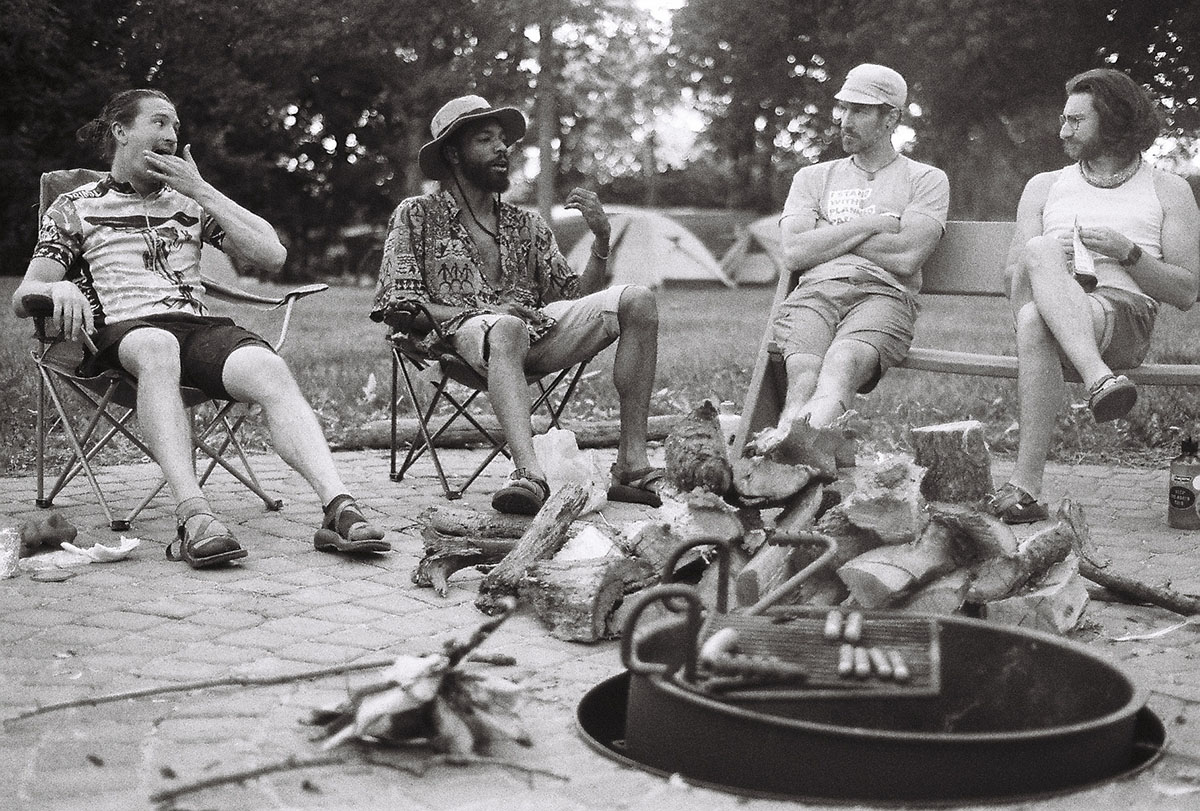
(1128, 322)
(817, 313)
(584, 326)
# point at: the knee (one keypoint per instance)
(154, 355)
(638, 307)
(507, 338)
(1041, 253)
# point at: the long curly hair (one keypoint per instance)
(122, 108)
(1129, 118)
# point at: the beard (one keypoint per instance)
(1083, 150)
(485, 176)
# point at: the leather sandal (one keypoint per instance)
(1111, 397)
(1012, 505)
(640, 486)
(207, 545)
(346, 530)
(524, 494)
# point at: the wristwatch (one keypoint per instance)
(1132, 258)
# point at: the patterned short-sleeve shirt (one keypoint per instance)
(132, 256)
(431, 258)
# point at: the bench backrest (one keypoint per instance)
(969, 260)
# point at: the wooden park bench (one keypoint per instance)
(969, 261)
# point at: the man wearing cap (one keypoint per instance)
(494, 278)
(857, 229)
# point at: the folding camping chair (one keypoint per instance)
(101, 406)
(455, 385)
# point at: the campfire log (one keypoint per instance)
(447, 554)
(1054, 604)
(945, 595)
(880, 577)
(885, 501)
(546, 533)
(476, 523)
(957, 462)
(575, 598)
(696, 455)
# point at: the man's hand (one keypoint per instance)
(178, 172)
(587, 203)
(1106, 241)
(513, 308)
(72, 313)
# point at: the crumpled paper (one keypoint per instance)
(72, 555)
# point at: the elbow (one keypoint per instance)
(277, 256)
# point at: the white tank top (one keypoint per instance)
(1132, 209)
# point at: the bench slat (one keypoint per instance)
(927, 359)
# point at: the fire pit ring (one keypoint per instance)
(600, 721)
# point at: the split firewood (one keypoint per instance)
(957, 462)
(696, 455)
(447, 554)
(885, 500)
(710, 582)
(805, 445)
(945, 595)
(698, 515)
(1054, 604)
(477, 523)
(575, 598)
(1001, 576)
(546, 533)
(799, 514)
(773, 563)
(763, 481)
(882, 576)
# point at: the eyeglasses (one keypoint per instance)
(1071, 121)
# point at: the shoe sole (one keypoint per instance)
(523, 503)
(326, 540)
(1115, 405)
(216, 560)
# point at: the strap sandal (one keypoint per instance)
(1111, 397)
(346, 530)
(640, 486)
(524, 494)
(207, 544)
(1012, 505)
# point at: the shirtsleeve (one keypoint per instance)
(60, 234)
(931, 195)
(400, 273)
(804, 196)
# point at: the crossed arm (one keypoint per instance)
(898, 243)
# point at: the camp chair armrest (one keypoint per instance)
(405, 322)
(239, 296)
(40, 308)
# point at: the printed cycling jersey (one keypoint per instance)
(132, 256)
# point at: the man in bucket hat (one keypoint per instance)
(857, 230)
(493, 277)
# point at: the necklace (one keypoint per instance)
(870, 173)
(495, 208)
(1110, 181)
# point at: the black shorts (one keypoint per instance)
(205, 343)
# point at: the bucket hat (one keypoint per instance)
(452, 116)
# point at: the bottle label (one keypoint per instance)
(1181, 497)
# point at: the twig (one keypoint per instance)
(1143, 592)
(292, 763)
(235, 681)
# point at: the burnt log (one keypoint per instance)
(546, 533)
(447, 554)
(958, 466)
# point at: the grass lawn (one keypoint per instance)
(708, 341)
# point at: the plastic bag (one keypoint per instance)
(564, 462)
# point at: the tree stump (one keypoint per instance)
(957, 461)
(546, 533)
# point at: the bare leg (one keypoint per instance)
(152, 356)
(1040, 392)
(848, 365)
(508, 391)
(1064, 307)
(633, 372)
(255, 374)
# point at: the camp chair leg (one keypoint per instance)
(229, 439)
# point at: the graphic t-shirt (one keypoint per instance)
(132, 256)
(837, 191)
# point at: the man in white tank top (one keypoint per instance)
(1099, 245)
